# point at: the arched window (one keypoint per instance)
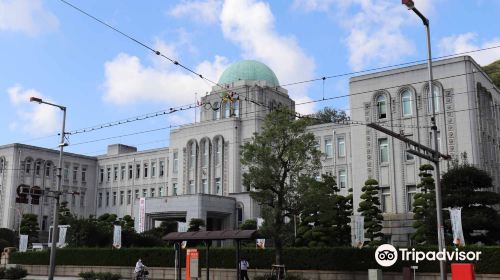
(406, 106)
(381, 107)
(48, 167)
(227, 109)
(2, 165)
(216, 109)
(192, 155)
(437, 97)
(218, 151)
(27, 165)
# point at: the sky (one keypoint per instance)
(50, 50)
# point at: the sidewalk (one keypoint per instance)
(37, 277)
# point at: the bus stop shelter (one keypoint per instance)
(207, 237)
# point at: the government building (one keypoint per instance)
(199, 175)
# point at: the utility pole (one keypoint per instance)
(57, 193)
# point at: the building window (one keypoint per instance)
(204, 183)
(153, 169)
(84, 174)
(162, 168)
(48, 166)
(227, 109)
(130, 172)
(73, 200)
(38, 166)
(218, 188)
(136, 194)
(236, 108)
(216, 111)
(82, 199)
(108, 174)
(122, 196)
(27, 166)
(66, 172)
(161, 192)
(406, 107)
(101, 175)
(99, 201)
(342, 179)
(204, 159)
(437, 95)
(44, 222)
(175, 166)
(115, 173)
(218, 150)
(192, 154)
(239, 214)
(328, 148)
(174, 189)
(386, 202)
(411, 190)
(75, 173)
(383, 150)
(381, 106)
(192, 188)
(137, 171)
(146, 168)
(122, 172)
(341, 146)
(152, 192)
(107, 199)
(144, 192)
(129, 196)
(114, 198)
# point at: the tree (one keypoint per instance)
(65, 216)
(7, 238)
(424, 208)
(471, 188)
(29, 226)
(127, 223)
(369, 207)
(493, 70)
(328, 115)
(325, 217)
(250, 224)
(196, 224)
(277, 159)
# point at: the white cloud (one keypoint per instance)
(253, 30)
(374, 28)
(468, 42)
(27, 16)
(129, 81)
(206, 11)
(33, 118)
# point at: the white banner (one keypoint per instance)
(260, 243)
(62, 236)
(359, 231)
(456, 225)
(142, 214)
(117, 237)
(182, 227)
(23, 243)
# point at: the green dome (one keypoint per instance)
(249, 70)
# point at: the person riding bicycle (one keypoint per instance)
(140, 270)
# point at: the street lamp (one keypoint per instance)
(440, 229)
(55, 222)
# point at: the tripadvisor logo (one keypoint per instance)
(387, 255)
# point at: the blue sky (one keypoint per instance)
(50, 50)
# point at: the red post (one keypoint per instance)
(462, 271)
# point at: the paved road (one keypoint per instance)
(36, 277)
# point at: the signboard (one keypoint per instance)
(142, 214)
(456, 226)
(117, 237)
(63, 229)
(182, 227)
(193, 269)
(23, 243)
(359, 231)
(260, 243)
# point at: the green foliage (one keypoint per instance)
(289, 276)
(250, 224)
(369, 207)
(325, 216)
(424, 208)
(196, 224)
(29, 226)
(340, 259)
(65, 216)
(493, 70)
(16, 272)
(329, 115)
(2, 272)
(470, 188)
(91, 275)
(7, 238)
(276, 161)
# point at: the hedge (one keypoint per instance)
(346, 259)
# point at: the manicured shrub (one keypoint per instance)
(89, 275)
(15, 273)
(289, 276)
(2, 272)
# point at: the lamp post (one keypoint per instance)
(440, 229)
(57, 193)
